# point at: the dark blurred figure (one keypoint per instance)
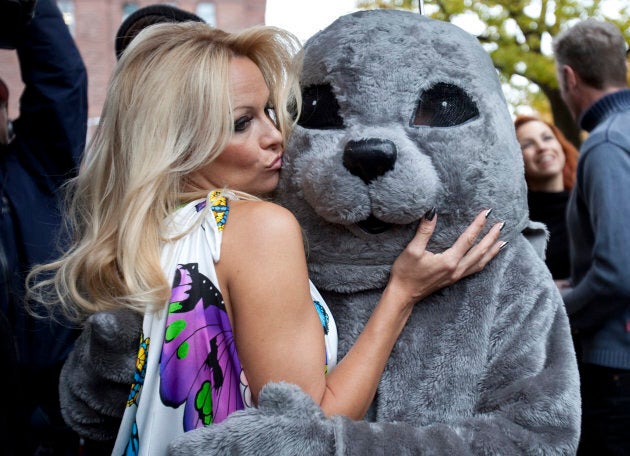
(592, 74)
(145, 16)
(39, 150)
(550, 162)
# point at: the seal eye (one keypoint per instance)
(444, 105)
(320, 110)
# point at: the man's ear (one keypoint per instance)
(570, 77)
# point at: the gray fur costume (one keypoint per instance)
(403, 113)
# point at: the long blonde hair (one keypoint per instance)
(167, 114)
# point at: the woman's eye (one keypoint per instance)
(271, 113)
(242, 123)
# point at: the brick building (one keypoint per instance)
(94, 23)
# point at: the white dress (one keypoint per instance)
(188, 373)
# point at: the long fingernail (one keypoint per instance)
(502, 226)
(430, 214)
(488, 212)
(505, 243)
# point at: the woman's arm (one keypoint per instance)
(279, 337)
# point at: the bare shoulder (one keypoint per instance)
(261, 220)
(262, 243)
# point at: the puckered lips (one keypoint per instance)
(276, 164)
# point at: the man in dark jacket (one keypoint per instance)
(38, 151)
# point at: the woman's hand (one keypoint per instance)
(417, 273)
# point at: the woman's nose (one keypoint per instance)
(272, 135)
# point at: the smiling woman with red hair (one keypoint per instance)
(550, 163)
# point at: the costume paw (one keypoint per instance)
(96, 378)
(286, 422)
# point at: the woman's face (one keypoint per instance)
(542, 155)
(251, 160)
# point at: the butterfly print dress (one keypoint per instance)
(188, 373)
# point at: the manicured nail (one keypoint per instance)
(430, 214)
(505, 243)
(502, 226)
(488, 212)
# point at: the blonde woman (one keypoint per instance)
(164, 223)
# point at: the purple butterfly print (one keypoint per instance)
(199, 363)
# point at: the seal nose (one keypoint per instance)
(369, 158)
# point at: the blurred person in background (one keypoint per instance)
(550, 162)
(157, 13)
(39, 150)
(591, 65)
